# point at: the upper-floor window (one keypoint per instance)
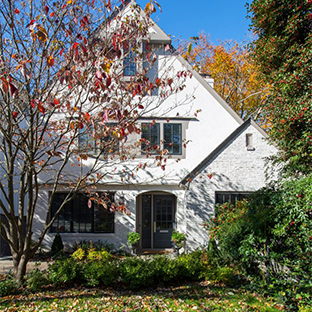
(150, 137)
(81, 216)
(129, 63)
(169, 135)
(99, 140)
(173, 138)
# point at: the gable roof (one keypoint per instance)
(219, 148)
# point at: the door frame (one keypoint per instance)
(139, 216)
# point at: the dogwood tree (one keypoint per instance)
(66, 103)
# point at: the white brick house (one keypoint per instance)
(225, 156)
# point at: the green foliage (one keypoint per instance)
(57, 245)
(191, 265)
(283, 51)
(133, 239)
(136, 272)
(65, 271)
(100, 272)
(35, 279)
(178, 238)
(79, 254)
(97, 245)
(8, 286)
(270, 238)
(165, 270)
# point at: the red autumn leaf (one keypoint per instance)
(46, 9)
(56, 101)
(108, 81)
(41, 108)
(31, 22)
(75, 45)
(130, 128)
(5, 85)
(62, 52)
(16, 11)
(87, 115)
(51, 14)
(50, 61)
(81, 125)
(86, 20)
(33, 103)
(14, 114)
(140, 106)
(209, 176)
(13, 89)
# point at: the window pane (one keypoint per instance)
(86, 140)
(232, 198)
(151, 136)
(129, 64)
(173, 138)
(103, 219)
(82, 213)
(62, 222)
(78, 217)
(108, 143)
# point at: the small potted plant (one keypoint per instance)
(133, 240)
(178, 241)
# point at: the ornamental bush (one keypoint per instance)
(270, 237)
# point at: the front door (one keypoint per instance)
(157, 220)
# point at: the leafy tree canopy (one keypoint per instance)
(236, 76)
(283, 50)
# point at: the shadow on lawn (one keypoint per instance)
(188, 291)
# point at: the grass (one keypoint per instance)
(188, 297)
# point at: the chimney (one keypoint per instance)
(208, 78)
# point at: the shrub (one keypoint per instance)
(35, 279)
(65, 271)
(191, 266)
(165, 269)
(8, 286)
(97, 246)
(133, 239)
(270, 235)
(93, 255)
(57, 245)
(100, 272)
(136, 272)
(178, 238)
(79, 254)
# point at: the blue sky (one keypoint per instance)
(222, 19)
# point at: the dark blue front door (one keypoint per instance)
(157, 220)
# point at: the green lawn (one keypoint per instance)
(189, 297)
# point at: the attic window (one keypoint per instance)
(129, 64)
(249, 142)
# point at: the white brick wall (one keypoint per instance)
(234, 168)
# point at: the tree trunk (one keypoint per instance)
(19, 268)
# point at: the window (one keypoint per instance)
(150, 137)
(101, 140)
(166, 135)
(249, 142)
(129, 63)
(230, 197)
(173, 138)
(78, 217)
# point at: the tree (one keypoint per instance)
(236, 77)
(62, 84)
(283, 52)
